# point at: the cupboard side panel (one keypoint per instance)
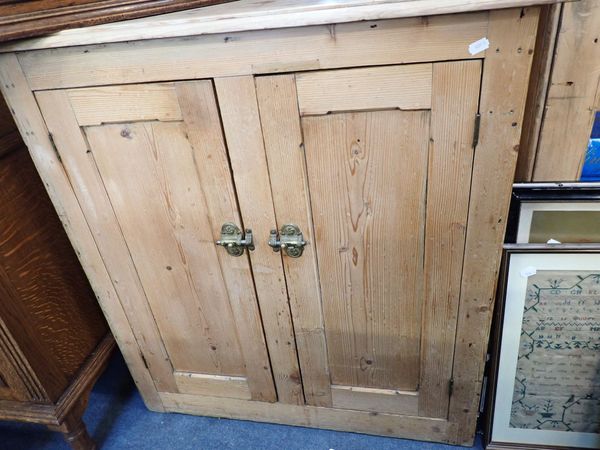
(503, 92)
(572, 100)
(538, 88)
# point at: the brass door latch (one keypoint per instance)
(290, 239)
(234, 241)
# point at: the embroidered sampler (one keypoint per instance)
(557, 383)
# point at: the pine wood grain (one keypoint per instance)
(181, 263)
(369, 236)
(195, 321)
(538, 88)
(284, 148)
(391, 166)
(376, 400)
(508, 64)
(244, 15)
(309, 48)
(573, 95)
(402, 87)
(98, 105)
(455, 98)
(241, 123)
(202, 118)
(85, 182)
(382, 424)
(213, 385)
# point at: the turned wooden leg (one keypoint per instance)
(76, 434)
(73, 428)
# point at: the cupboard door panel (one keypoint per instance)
(170, 241)
(80, 171)
(368, 234)
(169, 187)
(387, 192)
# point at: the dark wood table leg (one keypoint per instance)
(73, 428)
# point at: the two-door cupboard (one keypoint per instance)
(291, 212)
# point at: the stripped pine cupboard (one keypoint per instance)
(299, 225)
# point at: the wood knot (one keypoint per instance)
(365, 363)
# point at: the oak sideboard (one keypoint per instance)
(290, 211)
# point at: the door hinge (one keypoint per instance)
(450, 387)
(51, 138)
(476, 130)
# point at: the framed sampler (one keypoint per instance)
(545, 371)
(565, 213)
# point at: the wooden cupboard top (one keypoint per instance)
(245, 15)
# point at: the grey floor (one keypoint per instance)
(117, 419)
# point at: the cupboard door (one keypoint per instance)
(374, 165)
(151, 170)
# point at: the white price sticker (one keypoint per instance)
(479, 46)
(528, 271)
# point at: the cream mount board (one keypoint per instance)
(355, 122)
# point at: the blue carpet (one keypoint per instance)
(117, 419)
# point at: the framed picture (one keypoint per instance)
(545, 365)
(554, 213)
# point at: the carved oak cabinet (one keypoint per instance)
(291, 211)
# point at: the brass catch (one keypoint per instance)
(234, 241)
(290, 240)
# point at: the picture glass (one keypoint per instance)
(549, 373)
(565, 222)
